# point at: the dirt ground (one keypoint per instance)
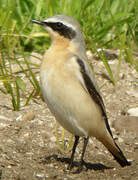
(28, 137)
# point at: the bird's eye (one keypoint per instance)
(59, 25)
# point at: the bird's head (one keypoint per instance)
(63, 28)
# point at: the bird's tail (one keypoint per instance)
(114, 149)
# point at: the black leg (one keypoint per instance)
(73, 152)
(83, 152)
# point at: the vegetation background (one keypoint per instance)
(106, 24)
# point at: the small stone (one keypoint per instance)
(3, 117)
(39, 175)
(29, 116)
(112, 129)
(89, 54)
(53, 139)
(90, 141)
(120, 140)
(19, 118)
(136, 146)
(9, 166)
(3, 125)
(26, 134)
(132, 93)
(133, 112)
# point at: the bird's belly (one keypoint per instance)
(70, 104)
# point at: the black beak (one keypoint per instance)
(38, 22)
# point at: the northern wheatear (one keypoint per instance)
(70, 89)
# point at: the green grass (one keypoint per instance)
(105, 24)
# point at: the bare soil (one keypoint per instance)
(28, 137)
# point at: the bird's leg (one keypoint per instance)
(83, 152)
(73, 152)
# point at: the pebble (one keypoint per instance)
(3, 125)
(120, 140)
(3, 118)
(53, 139)
(19, 118)
(132, 93)
(133, 112)
(28, 116)
(39, 175)
(89, 54)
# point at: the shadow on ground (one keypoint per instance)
(88, 165)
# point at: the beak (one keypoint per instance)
(38, 22)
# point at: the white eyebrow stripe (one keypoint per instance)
(55, 20)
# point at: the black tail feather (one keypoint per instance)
(122, 161)
(114, 149)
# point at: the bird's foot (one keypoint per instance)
(79, 168)
(70, 166)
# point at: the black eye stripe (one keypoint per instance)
(59, 24)
(62, 29)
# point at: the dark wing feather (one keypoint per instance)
(93, 92)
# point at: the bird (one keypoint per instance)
(70, 89)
